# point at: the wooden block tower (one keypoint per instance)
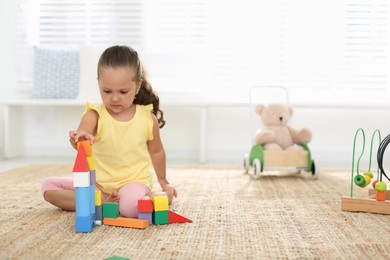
(84, 179)
(160, 207)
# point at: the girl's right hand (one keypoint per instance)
(75, 136)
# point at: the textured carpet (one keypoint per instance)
(234, 217)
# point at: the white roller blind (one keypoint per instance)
(330, 52)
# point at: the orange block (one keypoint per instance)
(126, 222)
(381, 196)
(87, 147)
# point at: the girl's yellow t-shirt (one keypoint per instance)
(120, 149)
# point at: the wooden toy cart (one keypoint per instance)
(260, 159)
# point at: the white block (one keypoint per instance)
(81, 179)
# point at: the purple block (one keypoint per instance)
(146, 215)
(92, 177)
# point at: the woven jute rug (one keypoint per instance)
(234, 217)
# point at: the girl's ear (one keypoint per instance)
(139, 84)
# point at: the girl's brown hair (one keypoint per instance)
(124, 56)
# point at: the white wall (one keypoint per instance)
(7, 51)
(229, 129)
(229, 133)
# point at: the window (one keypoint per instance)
(328, 52)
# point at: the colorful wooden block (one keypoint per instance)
(116, 258)
(81, 179)
(99, 212)
(83, 224)
(98, 197)
(147, 216)
(160, 203)
(92, 177)
(86, 144)
(82, 202)
(160, 217)
(126, 222)
(80, 164)
(92, 202)
(145, 205)
(173, 217)
(110, 209)
(91, 162)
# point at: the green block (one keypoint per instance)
(160, 217)
(116, 258)
(110, 209)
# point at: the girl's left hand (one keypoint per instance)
(171, 192)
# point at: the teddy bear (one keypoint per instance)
(276, 134)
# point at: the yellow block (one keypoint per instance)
(160, 203)
(91, 162)
(98, 197)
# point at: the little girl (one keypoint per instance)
(124, 131)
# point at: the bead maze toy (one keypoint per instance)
(378, 198)
(91, 212)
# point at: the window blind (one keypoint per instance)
(331, 52)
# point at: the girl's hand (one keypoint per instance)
(170, 191)
(75, 136)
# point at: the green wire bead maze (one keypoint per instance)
(377, 199)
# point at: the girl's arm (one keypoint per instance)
(157, 154)
(86, 129)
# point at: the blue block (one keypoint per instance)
(83, 224)
(146, 215)
(83, 202)
(93, 218)
(92, 199)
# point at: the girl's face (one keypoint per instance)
(118, 88)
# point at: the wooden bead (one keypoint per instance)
(368, 174)
(359, 180)
(380, 186)
(367, 179)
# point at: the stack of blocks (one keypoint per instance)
(156, 211)
(160, 207)
(84, 179)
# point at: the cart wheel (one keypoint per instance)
(256, 168)
(314, 171)
(246, 163)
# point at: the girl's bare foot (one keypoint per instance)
(114, 197)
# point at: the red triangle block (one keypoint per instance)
(81, 164)
(176, 218)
